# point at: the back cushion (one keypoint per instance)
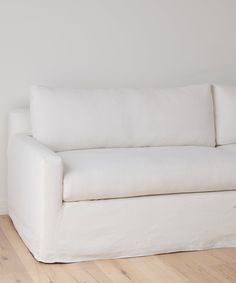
(65, 119)
(225, 113)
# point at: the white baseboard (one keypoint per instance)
(3, 207)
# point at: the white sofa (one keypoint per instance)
(97, 174)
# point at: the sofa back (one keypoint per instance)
(66, 119)
(225, 114)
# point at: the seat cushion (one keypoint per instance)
(65, 119)
(129, 172)
(230, 147)
(225, 114)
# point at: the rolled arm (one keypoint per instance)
(35, 177)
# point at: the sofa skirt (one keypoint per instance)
(140, 226)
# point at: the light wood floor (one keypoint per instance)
(17, 265)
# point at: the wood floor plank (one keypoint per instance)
(150, 272)
(91, 268)
(130, 266)
(113, 271)
(35, 269)
(194, 270)
(17, 265)
(226, 271)
(11, 267)
(165, 271)
(15, 278)
(226, 255)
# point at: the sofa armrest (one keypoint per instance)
(35, 176)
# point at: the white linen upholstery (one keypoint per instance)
(59, 231)
(87, 230)
(65, 119)
(116, 228)
(19, 122)
(129, 172)
(225, 114)
(230, 147)
(35, 176)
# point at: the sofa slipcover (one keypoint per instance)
(57, 231)
(60, 229)
(225, 114)
(129, 172)
(66, 119)
(230, 147)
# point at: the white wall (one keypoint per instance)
(104, 43)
